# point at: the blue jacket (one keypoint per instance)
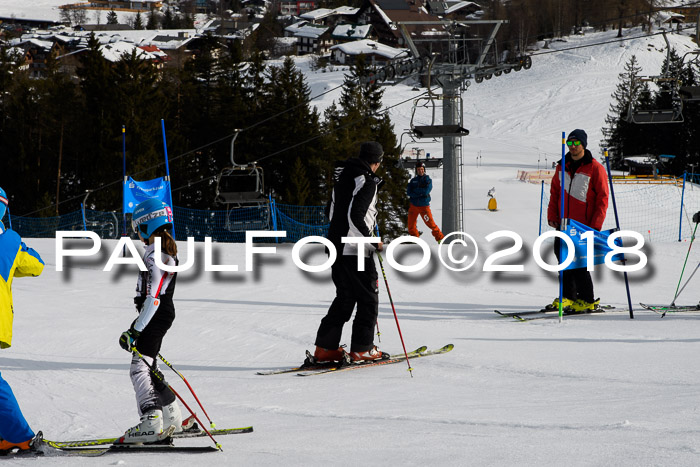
(419, 190)
(16, 260)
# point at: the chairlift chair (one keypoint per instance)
(674, 114)
(241, 186)
(433, 130)
(669, 83)
(690, 93)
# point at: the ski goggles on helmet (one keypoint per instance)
(143, 221)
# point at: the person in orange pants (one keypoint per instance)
(418, 191)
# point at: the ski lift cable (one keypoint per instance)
(605, 42)
(604, 22)
(378, 112)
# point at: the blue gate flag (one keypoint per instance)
(575, 231)
(136, 192)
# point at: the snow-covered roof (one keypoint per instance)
(351, 31)
(317, 14)
(40, 43)
(384, 17)
(321, 13)
(665, 15)
(154, 50)
(645, 159)
(370, 47)
(306, 29)
(168, 39)
(113, 52)
(346, 10)
(452, 7)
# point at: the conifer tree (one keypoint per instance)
(298, 190)
(152, 22)
(112, 17)
(358, 119)
(623, 138)
(100, 127)
(138, 21)
(295, 124)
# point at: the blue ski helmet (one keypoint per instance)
(150, 215)
(3, 203)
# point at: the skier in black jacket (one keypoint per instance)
(353, 213)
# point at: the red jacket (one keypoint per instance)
(586, 198)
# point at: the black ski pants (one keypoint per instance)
(352, 287)
(577, 282)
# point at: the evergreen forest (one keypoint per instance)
(61, 136)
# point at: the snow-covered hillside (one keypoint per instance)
(593, 390)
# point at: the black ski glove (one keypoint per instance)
(128, 339)
(696, 217)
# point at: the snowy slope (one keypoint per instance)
(596, 390)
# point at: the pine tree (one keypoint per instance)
(295, 124)
(168, 20)
(152, 22)
(298, 190)
(100, 126)
(358, 119)
(112, 17)
(623, 138)
(200, 121)
(138, 21)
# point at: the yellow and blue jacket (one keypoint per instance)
(16, 260)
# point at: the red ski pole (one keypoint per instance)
(381, 266)
(211, 424)
(160, 376)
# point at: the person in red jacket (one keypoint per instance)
(585, 201)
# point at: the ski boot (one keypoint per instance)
(189, 425)
(148, 431)
(172, 416)
(370, 355)
(554, 306)
(582, 306)
(322, 355)
(35, 444)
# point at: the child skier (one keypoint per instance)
(159, 411)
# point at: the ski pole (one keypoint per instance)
(379, 333)
(211, 424)
(617, 224)
(161, 378)
(688, 281)
(396, 318)
(562, 224)
(381, 265)
(692, 238)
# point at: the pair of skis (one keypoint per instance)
(663, 309)
(101, 446)
(311, 369)
(551, 314)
